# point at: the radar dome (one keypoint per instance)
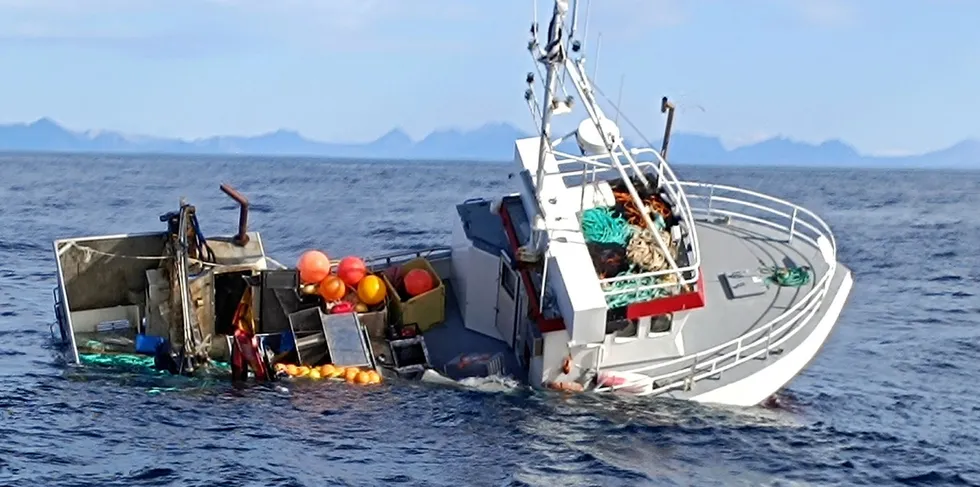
(588, 137)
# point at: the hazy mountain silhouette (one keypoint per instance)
(489, 142)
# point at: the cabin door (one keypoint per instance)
(481, 294)
(507, 299)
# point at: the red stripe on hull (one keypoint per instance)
(544, 324)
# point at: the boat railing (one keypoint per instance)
(640, 282)
(761, 341)
(385, 260)
(432, 253)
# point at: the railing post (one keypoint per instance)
(711, 195)
(768, 340)
(694, 370)
(792, 225)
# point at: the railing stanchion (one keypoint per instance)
(711, 195)
(768, 340)
(792, 224)
(694, 370)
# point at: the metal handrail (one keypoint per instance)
(404, 255)
(706, 363)
(668, 178)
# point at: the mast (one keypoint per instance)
(553, 58)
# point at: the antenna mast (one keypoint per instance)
(555, 56)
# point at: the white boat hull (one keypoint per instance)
(761, 385)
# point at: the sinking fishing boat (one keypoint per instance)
(604, 273)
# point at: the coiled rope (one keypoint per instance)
(788, 276)
(605, 226)
(633, 214)
(643, 252)
(627, 298)
(600, 225)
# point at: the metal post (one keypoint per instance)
(792, 225)
(711, 196)
(768, 340)
(666, 107)
(694, 369)
(544, 283)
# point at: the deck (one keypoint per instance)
(729, 349)
(742, 245)
(452, 339)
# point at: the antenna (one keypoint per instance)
(534, 15)
(595, 69)
(619, 98)
(571, 32)
(585, 35)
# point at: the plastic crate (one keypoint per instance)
(426, 310)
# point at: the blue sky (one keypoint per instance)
(895, 76)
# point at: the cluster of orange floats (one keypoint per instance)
(352, 283)
(352, 375)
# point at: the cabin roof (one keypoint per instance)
(485, 228)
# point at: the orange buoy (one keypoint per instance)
(313, 267)
(332, 288)
(363, 378)
(371, 290)
(335, 372)
(351, 270)
(418, 281)
(350, 374)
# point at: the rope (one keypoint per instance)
(658, 209)
(160, 258)
(202, 243)
(117, 360)
(642, 251)
(788, 276)
(600, 225)
(134, 361)
(627, 298)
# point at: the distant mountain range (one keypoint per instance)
(492, 142)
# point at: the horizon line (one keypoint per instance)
(399, 129)
(461, 160)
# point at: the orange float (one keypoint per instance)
(351, 270)
(371, 290)
(418, 281)
(332, 288)
(313, 267)
(350, 374)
